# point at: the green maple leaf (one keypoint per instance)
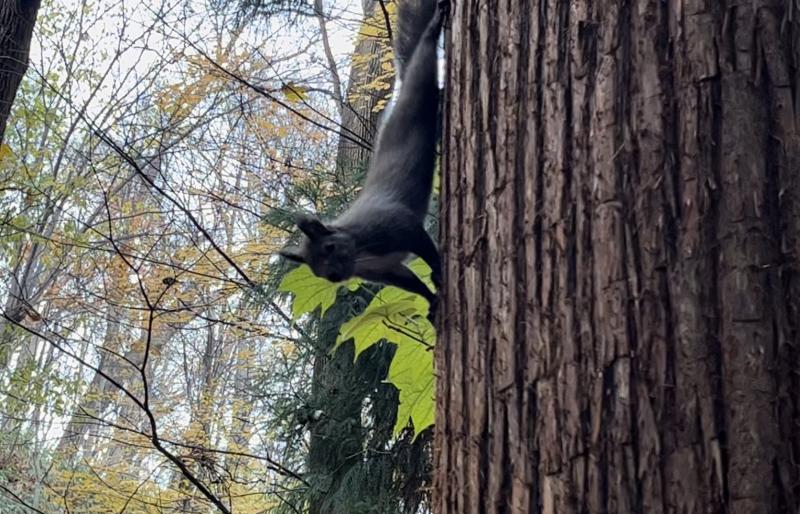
(382, 321)
(391, 313)
(399, 317)
(411, 372)
(311, 291)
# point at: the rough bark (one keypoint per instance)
(620, 222)
(17, 18)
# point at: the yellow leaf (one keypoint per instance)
(5, 151)
(294, 93)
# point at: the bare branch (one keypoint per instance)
(337, 82)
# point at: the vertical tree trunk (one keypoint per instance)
(337, 382)
(359, 119)
(621, 226)
(17, 18)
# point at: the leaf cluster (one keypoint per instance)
(394, 316)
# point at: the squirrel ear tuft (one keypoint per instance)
(312, 226)
(293, 253)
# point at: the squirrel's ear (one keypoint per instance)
(293, 253)
(312, 226)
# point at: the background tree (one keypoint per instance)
(354, 461)
(130, 346)
(17, 18)
(620, 324)
(149, 362)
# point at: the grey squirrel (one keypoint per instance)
(384, 224)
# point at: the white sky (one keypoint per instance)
(104, 23)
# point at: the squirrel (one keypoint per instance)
(384, 225)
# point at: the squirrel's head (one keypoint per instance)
(329, 252)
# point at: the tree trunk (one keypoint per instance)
(359, 119)
(336, 442)
(17, 18)
(621, 225)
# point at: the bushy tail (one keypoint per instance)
(412, 18)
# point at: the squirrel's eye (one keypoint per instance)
(328, 247)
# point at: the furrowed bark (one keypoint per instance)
(620, 221)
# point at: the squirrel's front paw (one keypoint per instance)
(436, 278)
(442, 11)
(432, 317)
(433, 305)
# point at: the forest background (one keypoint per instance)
(154, 355)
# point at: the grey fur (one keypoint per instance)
(384, 224)
(413, 17)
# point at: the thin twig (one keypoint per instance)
(387, 21)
